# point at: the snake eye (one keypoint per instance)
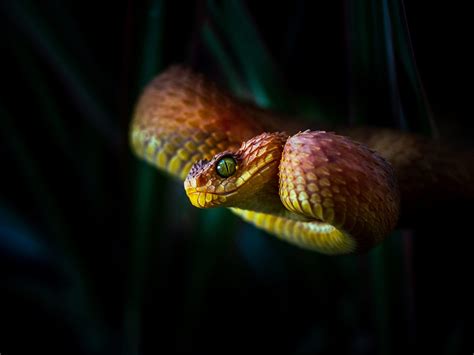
(226, 166)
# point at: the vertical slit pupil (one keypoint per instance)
(226, 167)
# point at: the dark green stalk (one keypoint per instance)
(379, 260)
(146, 184)
(402, 40)
(55, 125)
(39, 190)
(46, 206)
(228, 67)
(253, 57)
(45, 44)
(209, 246)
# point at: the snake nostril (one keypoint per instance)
(200, 180)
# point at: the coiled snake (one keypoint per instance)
(315, 189)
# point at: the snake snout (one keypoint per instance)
(190, 186)
(195, 185)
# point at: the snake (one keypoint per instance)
(335, 193)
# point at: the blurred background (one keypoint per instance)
(102, 254)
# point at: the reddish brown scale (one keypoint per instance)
(182, 118)
(343, 183)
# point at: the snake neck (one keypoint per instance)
(265, 199)
(260, 194)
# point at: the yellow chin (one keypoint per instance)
(205, 199)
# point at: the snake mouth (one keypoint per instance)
(203, 199)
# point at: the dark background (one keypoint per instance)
(100, 253)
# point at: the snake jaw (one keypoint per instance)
(203, 199)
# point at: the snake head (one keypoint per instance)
(235, 178)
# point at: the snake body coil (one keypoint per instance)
(315, 189)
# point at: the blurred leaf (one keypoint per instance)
(56, 127)
(259, 254)
(213, 236)
(380, 53)
(19, 241)
(45, 203)
(152, 51)
(223, 58)
(253, 57)
(26, 19)
(247, 54)
(146, 186)
(52, 282)
(394, 92)
(381, 294)
(407, 56)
